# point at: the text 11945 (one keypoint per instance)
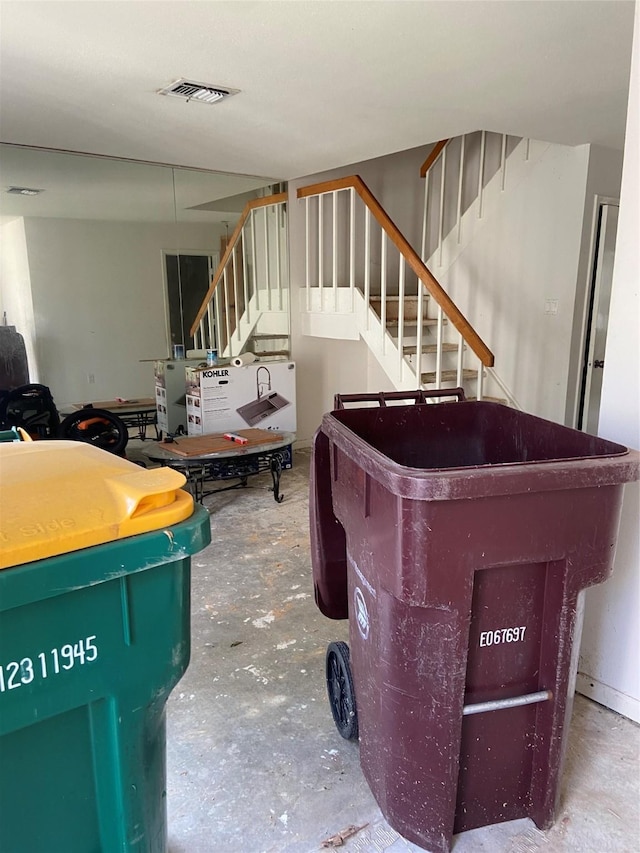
(49, 663)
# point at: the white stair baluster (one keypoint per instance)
(367, 265)
(212, 326)
(352, 243)
(479, 380)
(460, 181)
(236, 293)
(307, 252)
(276, 226)
(401, 293)
(383, 289)
(217, 308)
(245, 276)
(227, 310)
(423, 250)
(419, 331)
(254, 259)
(459, 367)
(267, 257)
(483, 144)
(334, 246)
(443, 166)
(321, 250)
(438, 376)
(503, 161)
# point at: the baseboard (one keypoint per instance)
(619, 702)
(302, 443)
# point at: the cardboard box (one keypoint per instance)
(170, 382)
(225, 398)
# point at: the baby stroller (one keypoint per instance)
(32, 408)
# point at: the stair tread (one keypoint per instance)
(489, 400)
(275, 336)
(392, 326)
(429, 377)
(263, 353)
(429, 348)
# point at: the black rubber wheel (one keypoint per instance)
(99, 427)
(342, 697)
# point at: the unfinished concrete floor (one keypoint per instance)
(255, 764)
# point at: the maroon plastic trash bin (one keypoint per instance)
(459, 537)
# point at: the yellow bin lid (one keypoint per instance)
(59, 496)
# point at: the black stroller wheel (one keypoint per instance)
(99, 427)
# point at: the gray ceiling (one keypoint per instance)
(322, 84)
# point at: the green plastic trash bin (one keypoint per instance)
(94, 634)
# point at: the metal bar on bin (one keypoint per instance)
(514, 702)
(381, 397)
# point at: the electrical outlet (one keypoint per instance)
(550, 306)
(91, 378)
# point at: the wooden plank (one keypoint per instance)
(115, 405)
(200, 445)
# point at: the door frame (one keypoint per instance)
(590, 301)
(214, 261)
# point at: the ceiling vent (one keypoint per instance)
(191, 91)
(23, 191)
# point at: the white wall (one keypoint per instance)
(608, 668)
(98, 300)
(524, 252)
(15, 288)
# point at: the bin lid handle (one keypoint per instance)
(381, 397)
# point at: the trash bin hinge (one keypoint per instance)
(514, 702)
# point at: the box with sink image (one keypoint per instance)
(227, 398)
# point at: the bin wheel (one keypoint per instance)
(342, 697)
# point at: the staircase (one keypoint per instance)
(246, 308)
(362, 277)
(364, 280)
(360, 267)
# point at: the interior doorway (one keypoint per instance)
(597, 315)
(187, 278)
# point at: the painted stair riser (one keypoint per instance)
(448, 376)
(393, 307)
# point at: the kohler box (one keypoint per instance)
(223, 399)
(170, 392)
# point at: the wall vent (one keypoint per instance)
(23, 191)
(189, 90)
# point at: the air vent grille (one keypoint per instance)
(23, 191)
(189, 90)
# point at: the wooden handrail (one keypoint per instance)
(254, 204)
(433, 156)
(411, 257)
